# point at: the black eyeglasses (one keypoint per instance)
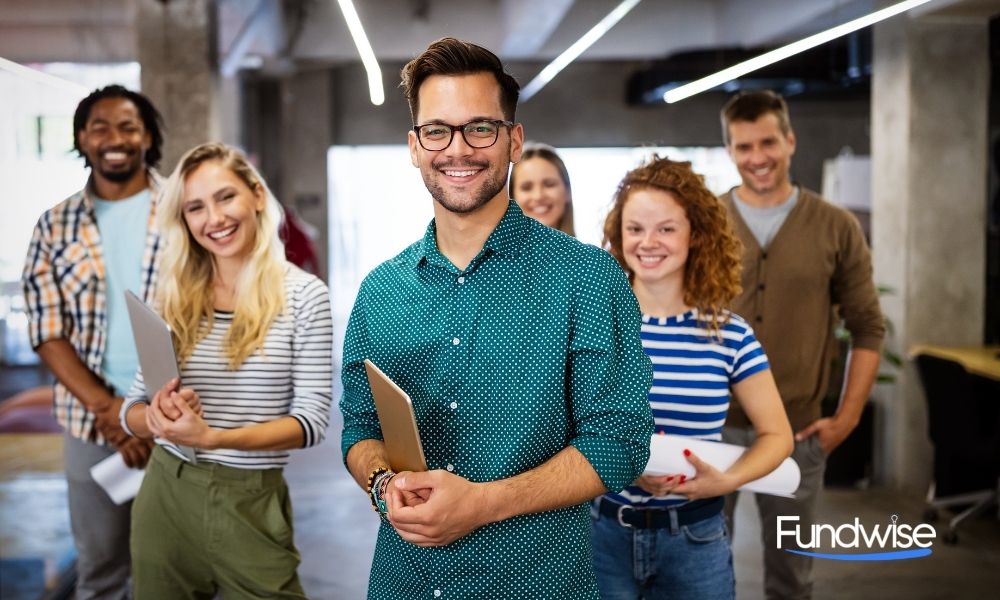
(477, 134)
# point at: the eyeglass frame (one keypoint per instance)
(461, 129)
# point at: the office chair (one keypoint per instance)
(964, 424)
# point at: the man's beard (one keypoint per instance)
(489, 189)
(120, 176)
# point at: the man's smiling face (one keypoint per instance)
(461, 178)
(762, 153)
(115, 140)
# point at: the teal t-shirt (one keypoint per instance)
(123, 227)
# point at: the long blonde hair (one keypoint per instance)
(184, 286)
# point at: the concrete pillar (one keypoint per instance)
(306, 135)
(178, 55)
(930, 95)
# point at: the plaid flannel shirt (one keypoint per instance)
(65, 291)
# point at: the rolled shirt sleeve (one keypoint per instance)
(357, 405)
(312, 360)
(43, 299)
(135, 395)
(610, 376)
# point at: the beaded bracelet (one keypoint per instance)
(378, 481)
(370, 487)
(379, 487)
(382, 483)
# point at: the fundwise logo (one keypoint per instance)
(885, 542)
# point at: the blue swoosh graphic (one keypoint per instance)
(897, 555)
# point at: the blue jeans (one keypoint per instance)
(688, 561)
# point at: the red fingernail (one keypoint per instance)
(687, 452)
(671, 478)
(683, 477)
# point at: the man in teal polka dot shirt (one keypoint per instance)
(520, 349)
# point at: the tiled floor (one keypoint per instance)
(35, 542)
(335, 533)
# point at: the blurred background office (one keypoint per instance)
(899, 122)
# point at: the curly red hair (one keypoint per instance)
(714, 263)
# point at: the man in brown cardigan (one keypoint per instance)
(803, 260)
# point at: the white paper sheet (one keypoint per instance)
(120, 482)
(666, 457)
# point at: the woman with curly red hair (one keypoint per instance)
(665, 536)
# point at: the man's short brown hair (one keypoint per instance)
(449, 56)
(750, 106)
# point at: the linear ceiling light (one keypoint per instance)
(375, 89)
(578, 47)
(738, 70)
(41, 77)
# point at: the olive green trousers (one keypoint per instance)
(198, 530)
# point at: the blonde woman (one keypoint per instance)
(253, 337)
(539, 183)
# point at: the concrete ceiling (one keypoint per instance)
(314, 31)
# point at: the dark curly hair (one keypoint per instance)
(714, 262)
(151, 119)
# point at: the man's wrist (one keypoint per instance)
(106, 404)
(489, 495)
(846, 421)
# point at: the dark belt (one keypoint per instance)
(657, 518)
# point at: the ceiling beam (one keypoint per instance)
(528, 25)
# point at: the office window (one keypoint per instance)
(38, 168)
(379, 205)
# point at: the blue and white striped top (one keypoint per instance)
(692, 375)
(290, 376)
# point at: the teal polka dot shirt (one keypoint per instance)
(533, 347)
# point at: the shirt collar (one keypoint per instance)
(505, 240)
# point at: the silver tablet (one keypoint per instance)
(155, 346)
(399, 425)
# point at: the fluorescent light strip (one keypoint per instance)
(578, 47)
(738, 70)
(41, 77)
(375, 89)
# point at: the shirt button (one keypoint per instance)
(455, 341)
(437, 593)
(761, 287)
(461, 279)
(453, 405)
(450, 467)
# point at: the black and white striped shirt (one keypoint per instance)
(289, 376)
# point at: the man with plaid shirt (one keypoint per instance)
(84, 254)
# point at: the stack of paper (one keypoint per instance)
(666, 457)
(120, 482)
